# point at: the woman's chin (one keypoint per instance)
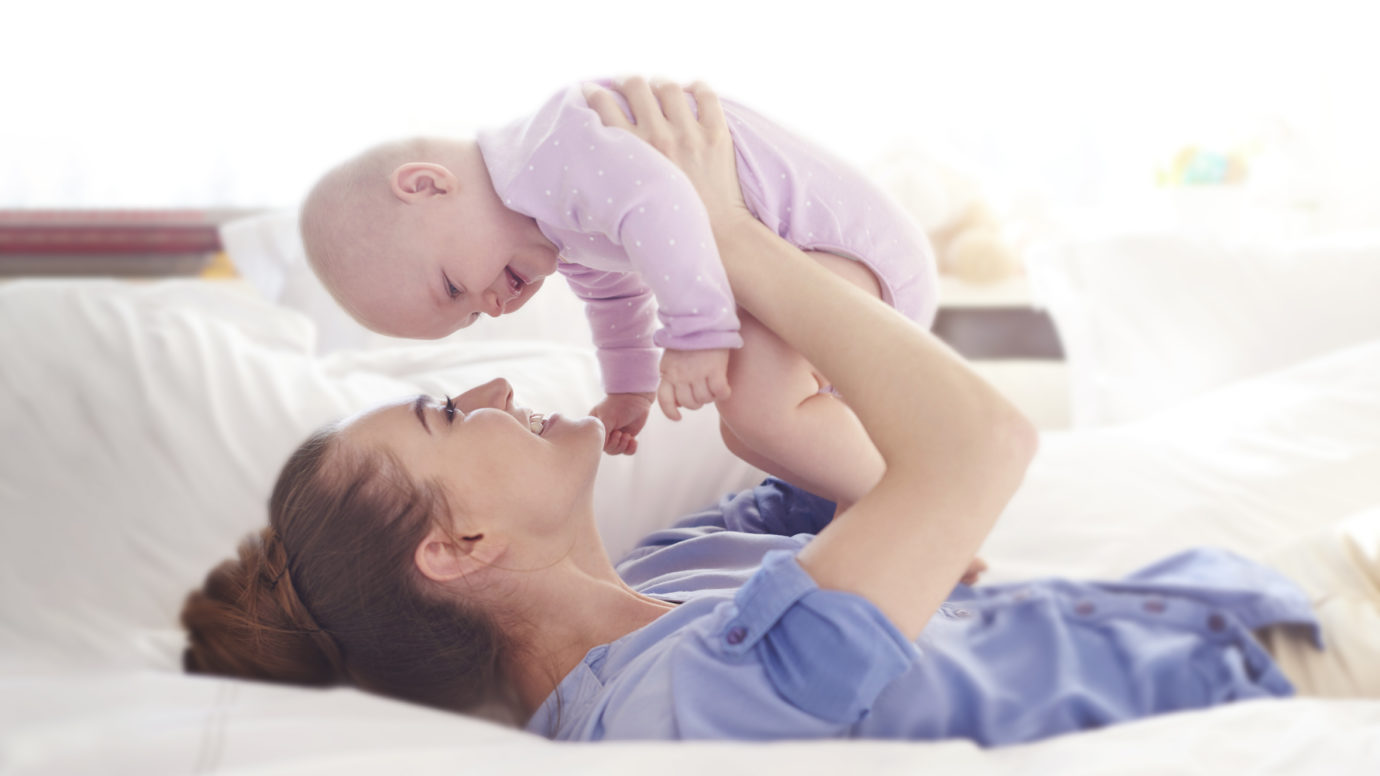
(595, 429)
(592, 437)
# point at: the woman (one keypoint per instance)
(445, 551)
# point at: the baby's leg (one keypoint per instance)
(778, 420)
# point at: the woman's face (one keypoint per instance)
(501, 477)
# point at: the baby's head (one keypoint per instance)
(411, 239)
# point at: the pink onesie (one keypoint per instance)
(635, 242)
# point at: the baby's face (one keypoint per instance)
(454, 265)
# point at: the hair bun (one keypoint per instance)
(246, 621)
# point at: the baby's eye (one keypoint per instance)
(451, 290)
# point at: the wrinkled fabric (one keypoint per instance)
(756, 650)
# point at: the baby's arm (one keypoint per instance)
(621, 312)
(644, 204)
(695, 306)
(567, 170)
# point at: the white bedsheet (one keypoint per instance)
(143, 426)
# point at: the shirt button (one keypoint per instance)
(1217, 623)
(1154, 606)
(1085, 608)
(961, 613)
(736, 635)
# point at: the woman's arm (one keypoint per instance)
(955, 449)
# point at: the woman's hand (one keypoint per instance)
(701, 147)
(953, 460)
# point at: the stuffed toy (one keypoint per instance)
(964, 228)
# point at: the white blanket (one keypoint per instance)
(143, 426)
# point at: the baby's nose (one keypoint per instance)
(493, 305)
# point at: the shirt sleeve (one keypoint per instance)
(784, 660)
(774, 507)
(571, 171)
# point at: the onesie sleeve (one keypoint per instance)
(620, 309)
(565, 168)
(784, 659)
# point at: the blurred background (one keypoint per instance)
(1248, 117)
(1158, 226)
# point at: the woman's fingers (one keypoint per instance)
(603, 103)
(710, 109)
(702, 148)
(674, 104)
(974, 571)
(646, 109)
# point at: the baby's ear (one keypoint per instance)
(416, 181)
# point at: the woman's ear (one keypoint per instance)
(442, 558)
(416, 181)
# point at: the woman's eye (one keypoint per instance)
(450, 410)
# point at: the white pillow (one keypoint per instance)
(1249, 466)
(267, 251)
(1147, 321)
(144, 426)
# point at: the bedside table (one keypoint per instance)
(1009, 342)
(995, 321)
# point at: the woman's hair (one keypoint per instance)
(329, 592)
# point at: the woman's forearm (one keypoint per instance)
(954, 449)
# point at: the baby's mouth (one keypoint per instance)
(515, 281)
(522, 277)
(515, 286)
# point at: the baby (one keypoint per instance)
(419, 238)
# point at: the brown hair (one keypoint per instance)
(329, 592)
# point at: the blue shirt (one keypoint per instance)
(756, 650)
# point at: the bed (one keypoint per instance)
(143, 424)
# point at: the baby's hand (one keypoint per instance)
(692, 379)
(623, 415)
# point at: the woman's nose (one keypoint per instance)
(497, 393)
